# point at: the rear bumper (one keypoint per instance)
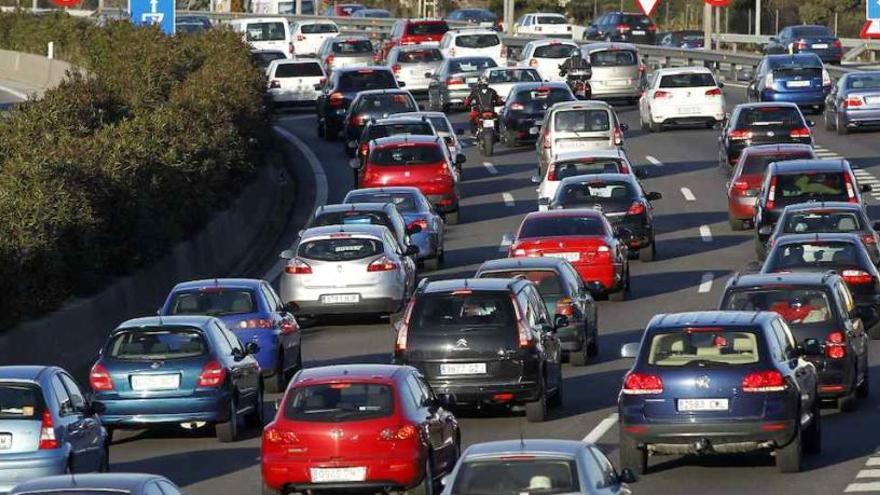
(394, 471)
(135, 413)
(608, 275)
(18, 468)
(726, 437)
(428, 244)
(366, 305)
(521, 128)
(524, 390)
(456, 96)
(444, 203)
(854, 118)
(600, 90)
(835, 377)
(743, 208)
(801, 98)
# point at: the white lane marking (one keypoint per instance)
(508, 199)
(505, 243)
(688, 195)
(869, 473)
(873, 461)
(491, 168)
(601, 429)
(654, 161)
(706, 283)
(320, 186)
(16, 93)
(868, 180)
(861, 171)
(873, 486)
(706, 233)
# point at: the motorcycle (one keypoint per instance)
(486, 132)
(579, 82)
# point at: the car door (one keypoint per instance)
(607, 480)
(245, 373)
(448, 425)
(70, 422)
(89, 426)
(856, 330)
(552, 349)
(406, 262)
(288, 341)
(430, 421)
(801, 370)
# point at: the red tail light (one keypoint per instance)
(358, 119)
(396, 69)
(850, 188)
(714, 92)
(853, 101)
(420, 222)
(763, 381)
(771, 194)
(278, 441)
(298, 267)
(289, 326)
(837, 44)
(623, 168)
(47, 432)
(551, 172)
(329, 59)
(637, 208)
(335, 100)
(740, 187)
(524, 336)
(642, 384)
(213, 375)
(400, 343)
(801, 132)
(618, 136)
(256, 323)
(405, 432)
(652, 28)
(660, 95)
(363, 149)
(737, 134)
(623, 28)
(517, 106)
(99, 378)
(565, 306)
(382, 264)
(857, 277)
(835, 345)
(548, 142)
(454, 80)
(274, 83)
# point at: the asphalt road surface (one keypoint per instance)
(697, 253)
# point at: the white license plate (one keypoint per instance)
(471, 80)
(797, 84)
(565, 256)
(638, 32)
(489, 123)
(688, 110)
(331, 475)
(534, 130)
(872, 100)
(690, 405)
(340, 298)
(5, 441)
(463, 368)
(820, 46)
(618, 82)
(579, 145)
(155, 382)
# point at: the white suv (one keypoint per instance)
(546, 24)
(473, 43)
(546, 56)
(309, 35)
(688, 95)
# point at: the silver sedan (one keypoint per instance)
(853, 102)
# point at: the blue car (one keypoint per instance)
(719, 382)
(185, 370)
(252, 309)
(47, 426)
(800, 79)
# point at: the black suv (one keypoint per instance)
(761, 123)
(801, 181)
(819, 306)
(339, 91)
(830, 217)
(484, 341)
(622, 26)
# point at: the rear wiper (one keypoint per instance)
(706, 362)
(469, 329)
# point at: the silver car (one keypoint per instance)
(47, 426)
(411, 63)
(578, 126)
(346, 269)
(853, 102)
(345, 51)
(107, 484)
(617, 70)
(452, 82)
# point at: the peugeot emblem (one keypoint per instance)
(336, 434)
(156, 365)
(702, 382)
(461, 344)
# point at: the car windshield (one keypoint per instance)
(613, 58)
(550, 19)
(352, 47)
(306, 69)
(405, 202)
(813, 31)
(384, 130)
(539, 99)
(334, 402)
(770, 118)
(426, 28)
(797, 188)
(20, 401)
(265, 31)
(547, 281)
(471, 65)
(350, 217)
(375, 13)
(441, 124)
(263, 59)
(561, 226)
(477, 40)
(319, 28)
(822, 221)
(586, 166)
(365, 79)
(462, 311)
(703, 346)
(796, 306)
(863, 81)
(407, 155)
(756, 163)
(693, 80)
(821, 254)
(582, 121)
(513, 76)
(517, 475)
(554, 50)
(419, 56)
(165, 343)
(213, 301)
(596, 193)
(340, 249)
(386, 103)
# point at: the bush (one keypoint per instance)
(109, 170)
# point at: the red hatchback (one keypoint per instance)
(748, 173)
(415, 32)
(359, 427)
(584, 238)
(418, 161)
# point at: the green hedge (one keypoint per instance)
(108, 171)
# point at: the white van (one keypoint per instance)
(308, 36)
(473, 43)
(282, 7)
(265, 33)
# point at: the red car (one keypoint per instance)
(418, 161)
(414, 32)
(586, 239)
(358, 427)
(748, 173)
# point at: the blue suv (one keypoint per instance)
(719, 382)
(800, 78)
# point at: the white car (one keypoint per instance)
(571, 163)
(410, 63)
(309, 35)
(578, 126)
(546, 56)
(546, 24)
(293, 81)
(443, 128)
(502, 79)
(265, 33)
(473, 43)
(687, 95)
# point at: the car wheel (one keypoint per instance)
(864, 388)
(593, 347)
(255, 419)
(227, 431)
(268, 490)
(432, 264)
(647, 255)
(452, 218)
(278, 380)
(654, 126)
(840, 125)
(536, 412)
(556, 399)
(642, 124)
(736, 223)
(813, 433)
(847, 403)
(320, 128)
(760, 249)
(632, 456)
(788, 458)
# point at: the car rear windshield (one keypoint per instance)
(426, 28)
(374, 13)
(582, 121)
(802, 72)
(817, 31)
(597, 192)
(20, 401)
(386, 103)
(365, 79)
(550, 19)
(694, 80)
(340, 249)
(820, 254)
(700, 347)
(822, 221)
(635, 20)
(513, 75)
(384, 130)
(561, 226)
(547, 281)
(405, 202)
(337, 402)
(801, 187)
(477, 40)
(797, 306)
(352, 47)
(419, 56)
(462, 310)
(407, 155)
(770, 118)
(517, 475)
(756, 163)
(213, 301)
(554, 50)
(471, 65)
(540, 99)
(586, 166)
(441, 124)
(157, 344)
(319, 28)
(263, 59)
(613, 58)
(265, 31)
(351, 217)
(863, 81)
(307, 69)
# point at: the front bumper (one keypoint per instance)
(395, 470)
(722, 437)
(135, 413)
(18, 468)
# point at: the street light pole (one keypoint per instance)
(707, 25)
(757, 17)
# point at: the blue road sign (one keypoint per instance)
(873, 10)
(159, 12)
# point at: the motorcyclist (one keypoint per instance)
(576, 62)
(482, 99)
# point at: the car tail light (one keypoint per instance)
(420, 222)
(661, 95)
(763, 381)
(404, 432)
(99, 378)
(714, 92)
(289, 326)
(835, 345)
(857, 277)
(565, 306)
(624, 169)
(768, 80)
(336, 99)
(551, 172)
(300, 37)
(329, 59)
(637, 208)
(826, 78)
(256, 323)
(623, 28)
(382, 264)
(739, 134)
(652, 28)
(524, 336)
(853, 101)
(396, 69)
(533, 62)
(358, 119)
(517, 106)
(837, 44)
(800, 132)
(298, 267)
(274, 83)
(618, 136)
(454, 80)
(771, 194)
(641, 384)
(400, 343)
(213, 375)
(363, 149)
(740, 187)
(276, 440)
(850, 189)
(801, 44)
(47, 432)
(603, 254)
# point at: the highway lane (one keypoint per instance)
(690, 273)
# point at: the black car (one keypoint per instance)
(375, 104)
(262, 58)
(564, 293)
(806, 39)
(480, 17)
(830, 217)
(629, 27)
(761, 123)
(523, 112)
(623, 201)
(798, 181)
(819, 306)
(391, 126)
(688, 40)
(364, 213)
(340, 90)
(191, 24)
(484, 341)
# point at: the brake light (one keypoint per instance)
(624, 169)
(298, 267)
(623, 28)
(637, 208)
(771, 194)
(837, 44)
(857, 277)
(274, 83)
(763, 381)
(850, 189)
(714, 92)
(740, 187)
(800, 132)
(551, 172)
(603, 254)
(641, 384)
(289, 326)
(853, 101)
(517, 106)
(329, 59)
(213, 375)
(396, 69)
(403, 433)
(835, 345)
(565, 306)
(336, 99)
(274, 436)
(400, 343)
(47, 432)
(364, 149)
(533, 62)
(660, 95)
(826, 78)
(382, 264)
(99, 378)
(454, 80)
(256, 323)
(618, 136)
(524, 337)
(358, 119)
(420, 222)
(652, 28)
(739, 134)
(768, 80)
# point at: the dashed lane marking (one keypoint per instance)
(688, 195)
(869, 473)
(491, 168)
(601, 429)
(866, 479)
(654, 161)
(706, 233)
(508, 199)
(706, 283)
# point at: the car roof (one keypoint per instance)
(756, 280)
(385, 91)
(418, 46)
(85, 482)
(808, 165)
(816, 237)
(378, 372)
(497, 284)
(710, 318)
(390, 189)
(824, 205)
(568, 212)
(505, 264)
(24, 373)
(360, 68)
(398, 118)
(527, 446)
(358, 229)
(794, 59)
(770, 148)
(419, 114)
(525, 86)
(682, 70)
(597, 177)
(608, 45)
(580, 105)
(768, 104)
(599, 153)
(551, 41)
(352, 207)
(195, 321)
(406, 138)
(231, 283)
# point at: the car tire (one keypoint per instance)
(536, 412)
(432, 264)
(654, 126)
(813, 433)
(839, 125)
(268, 490)
(255, 418)
(452, 218)
(227, 431)
(736, 223)
(789, 457)
(760, 249)
(847, 403)
(631, 456)
(864, 388)
(581, 357)
(556, 399)
(278, 381)
(593, 347)
(647, 255)
(320, 128)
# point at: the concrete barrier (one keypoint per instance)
(32, 71)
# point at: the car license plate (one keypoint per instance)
(463, 368)
(471, 80)
(489, 123)
(534, 130)
(566, 256)
(341, 298)
(872, 100)
(688, 110)
(638, 32)
(797, 84)
(690, 405)
(820, 46)
(155, 382)
(331, 475)
(578, 145)
(5, 441)
(618, 82)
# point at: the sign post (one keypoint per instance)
(153, 12)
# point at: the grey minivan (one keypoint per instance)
(617, 70)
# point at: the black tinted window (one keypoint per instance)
(550, 19)
(797, 188)
(427, 28)
(517, 475)
(299, 70)
(419, 56)
(561, 226)
(582, 121)
(596, 193)
(823, 255)
(157, 344)
(366, 79)
(384, 130)
(547, 281)
(756, 163)
(340, 249)
(812, 31)
(798, 72)
(770, 117)
(265, 31)
(586, 166)
(471, 65)
(863, 81)
(821, 221)
(318, 28)
(407, 155)
(554, 50)
(636, 20)
(509, 75)
(386, 103)
(352, 47)
(351, 217)
(20, 401)
(613, 58)
(797, 306)
(214, 302)
(462, 309)
(477, 40)
(403, 201)
(539, 99)
(340, 402)
(687, 80)
(263, 59)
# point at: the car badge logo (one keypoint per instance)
(702, 382)
(339, 268)
(770, 133)
(461, 344)
(156, 365)
(336, 434)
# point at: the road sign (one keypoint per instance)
(873, 13)
(65, 3)
(725, 3)
(870, 31)
(648, 6)
(149, 12)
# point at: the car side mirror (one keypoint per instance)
(720, 85)
(630, 350)
(401, 84)
(560, 321)
(95, 407)
(811, 123)
(277, 404)
(543, 201)
(765, 230)
(291, 307)
(318, 87)
(238, 354)
(627, 476)
(624, 127)
(413, 229)
(811, 347)
(535, 179)
(653, 196)
(287, 254)
(865, 188)
(460, 158)
(641, 173)
(444, 480)
(251, 348)
(428, 75)
(876, 225)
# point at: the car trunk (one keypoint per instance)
(336, 275)
(575, 249)
(797, 79)
(21, 413)
(142, 379)
(18, 436)
(429, 178)
(724, 383)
